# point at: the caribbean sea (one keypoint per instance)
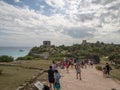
(15, 52)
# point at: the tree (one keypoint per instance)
(6, 58)
(115, 58)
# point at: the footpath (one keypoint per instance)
(92, 79)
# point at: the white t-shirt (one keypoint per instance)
(54, 67)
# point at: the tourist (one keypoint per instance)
(64, 63)
(75, 61)
(108, 69)
(51, 77)
(71, 63)
(54, 65)
(91, 63)
(67, 65)
(78, 70)
(84, 64)
(104, 72)
(57, 80)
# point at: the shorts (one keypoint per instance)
(78, 72)
(51, 80)
(108, 72)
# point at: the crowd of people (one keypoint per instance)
(72, 63)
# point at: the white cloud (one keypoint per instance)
(17, 1)
(82, 19)
(56, 3)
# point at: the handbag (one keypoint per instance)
(57, 85)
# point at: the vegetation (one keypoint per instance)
(99, 68)
(6, 58)
(1, 72)
(25, 58)
(100, 52)
(87, 51)
(115, 58)
(14, 76)
(115, 73)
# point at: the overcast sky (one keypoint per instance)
(29, 22)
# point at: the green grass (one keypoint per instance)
(116, 74)
(12, 77)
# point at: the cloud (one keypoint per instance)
(55, 3)
(61, 21)
(17, 1)
(79, 32)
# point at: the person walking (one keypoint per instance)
(78, 70)
(108, 69)
(67, 65)
(54, 65)
(57, 80)
(104, 72)
(51, 77)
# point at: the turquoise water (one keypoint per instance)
(14, 51)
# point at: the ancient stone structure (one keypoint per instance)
(84, 42)
(46, 43)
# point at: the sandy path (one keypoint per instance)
(91, 80)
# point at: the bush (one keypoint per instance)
(57, 58)
(99, 68)
(25, 58)
(117, 67)
(95, 58)
(1, 72)
(6, 58)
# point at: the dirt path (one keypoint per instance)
(91, 80)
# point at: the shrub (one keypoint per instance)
(94, 57)
(117, 67)
(56, 58)
(25, 58)
(6, 58)
(1, 72)
(99, 68)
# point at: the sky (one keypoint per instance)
(30, 22)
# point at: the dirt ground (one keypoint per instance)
(92, 79)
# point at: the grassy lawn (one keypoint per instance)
(44, 64)
(12, 77)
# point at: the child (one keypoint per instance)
(57, 80)
(104, 72)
